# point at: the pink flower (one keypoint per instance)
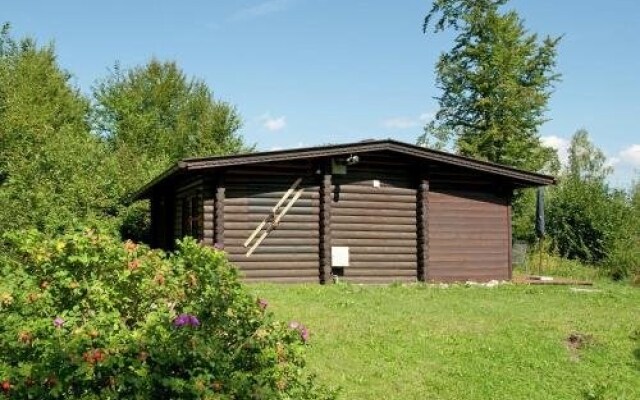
(58, 322)
(304, 334)
(263, 304)
(302, 330)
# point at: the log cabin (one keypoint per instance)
(367, 212)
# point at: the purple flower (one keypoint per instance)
(181, 320)
(186, 319)
(58, 322)
(218, 246)
(263, 304)
(193, 320)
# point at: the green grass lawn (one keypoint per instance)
(506, 342)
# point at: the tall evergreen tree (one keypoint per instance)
(495, 82)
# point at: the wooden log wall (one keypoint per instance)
(324, 228)
(378, 224)
(435, 223)
(422, 220)
(218, 209)
(290, 253)
(469, 227)
(208, 210)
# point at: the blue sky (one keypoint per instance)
(307, 72)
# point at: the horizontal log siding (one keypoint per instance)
(468, 218)
(290, 253)
(208, 210)
(468, 227)
(377, 224)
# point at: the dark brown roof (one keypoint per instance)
(520, 177)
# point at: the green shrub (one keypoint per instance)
(590, 223)
(87, 317)
(624, 259)
(578, 221)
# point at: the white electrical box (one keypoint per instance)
(376, 183)
(339, 256)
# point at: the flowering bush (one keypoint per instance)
(87, 317)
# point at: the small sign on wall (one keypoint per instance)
(339, 256)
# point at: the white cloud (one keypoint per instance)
(399, 123)
(631, 155)
(560, 144)
(404, 122)
(261, 9)
(427, 116)
(623, 162)
(273, 124)
(288, 146)
(612, 161)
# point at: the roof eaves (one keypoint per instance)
(524, 177)
(392, 145)
(311, 152)
(474, 164)
(142, 193)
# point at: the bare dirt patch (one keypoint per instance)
(577, 341)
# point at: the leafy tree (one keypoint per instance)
(586, 162)
(579, 216)
(635, 195)
(154, 115)
(587, 220)
(64, 160)
(52, 169)
(496, 81)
